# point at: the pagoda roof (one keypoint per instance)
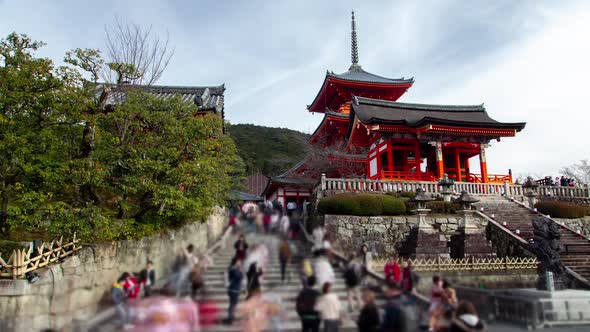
(207, 98)
(375, 111)
(356, 74)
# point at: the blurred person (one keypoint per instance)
(466, 319)
(408, 278)
(163, 314)
(120, 297)
(234, 287)
(392, 270)
(352, 279)
(437, 297)
(367, 257)
(329, 307)
(305, 306)
(284, 257)
(306, 271)
(256, 312)
(285, 223)
(147, 278)
(400, 312)
(368, 320)
(324, 273)
(241, 247)
(132, 287)
(254, 273)
(188, 259)
(196, 279)
(291, 207)
(318, 237)
(450, 297)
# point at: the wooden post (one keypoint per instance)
(506, 189)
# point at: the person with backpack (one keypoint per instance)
(352, 279)
(368, 320)
(120, 298)
(400, 312)
(234, 281)
(305, 306)
(284, 257)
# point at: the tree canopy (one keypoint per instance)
(266, 150)
(70, 164)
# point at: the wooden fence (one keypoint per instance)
(25, 260)
(467, 264)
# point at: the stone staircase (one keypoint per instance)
(518, 219)
(271, 284)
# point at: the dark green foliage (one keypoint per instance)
(361, 205)
(270, 151)
(403, 194)
(439, 207)
(558, 209)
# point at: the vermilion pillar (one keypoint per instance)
(439, 160)
(458, 165)
(482, 163)
(418, 159)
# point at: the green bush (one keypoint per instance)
(562, 209)
(408, 194)
(361, 205)
(393, 206)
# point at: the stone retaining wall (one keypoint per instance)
(384, 234)
(74, 289)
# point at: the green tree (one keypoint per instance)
(69, 163)
(39, 109)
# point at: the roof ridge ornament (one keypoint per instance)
(354, 51)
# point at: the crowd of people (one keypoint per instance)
(317, 303)
(560, 181)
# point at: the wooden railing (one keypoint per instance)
(468, 264)
(25, 260)
(406, 176)
(328, 186)
(491, 178)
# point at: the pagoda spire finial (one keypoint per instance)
(354, 52)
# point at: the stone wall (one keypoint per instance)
(75, 288)
(500, 279)
(583, 224)
(384, 234)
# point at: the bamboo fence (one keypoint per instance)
(467, 264)
(25, 260)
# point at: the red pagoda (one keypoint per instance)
(367, 133)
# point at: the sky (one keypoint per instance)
(527, 61)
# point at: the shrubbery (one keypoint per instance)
(362, 205)
(436, 207)
(562, 209)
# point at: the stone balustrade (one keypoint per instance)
(331, 186)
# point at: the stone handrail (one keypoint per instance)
(506, 242)
(330, 186)
(22, 261)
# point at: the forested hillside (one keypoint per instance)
(270, 151)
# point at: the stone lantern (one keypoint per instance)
(445, 183)
(474, 242)
(429, 243)
(466, 200)
(421, 199)
(531, 191)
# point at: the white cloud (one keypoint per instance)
(542, 81)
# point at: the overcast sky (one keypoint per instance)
(525, 60)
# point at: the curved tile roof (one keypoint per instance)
(374, 111)
(206, 97)
(357, 74)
